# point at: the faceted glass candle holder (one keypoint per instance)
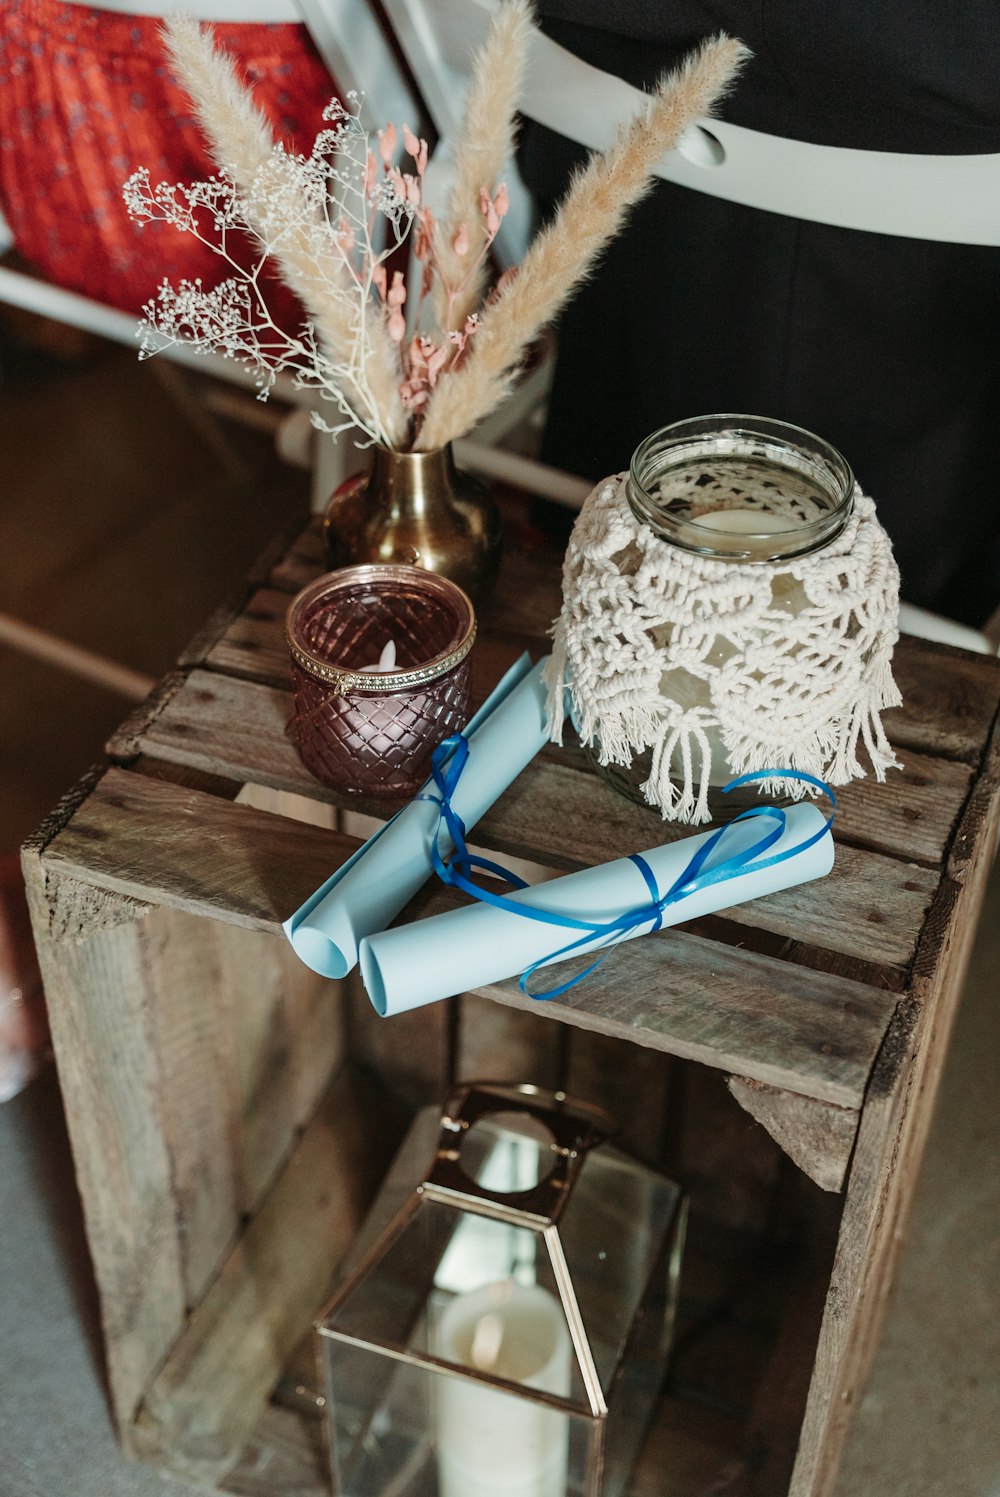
(367, 731)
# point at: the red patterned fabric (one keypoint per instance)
(86, 97)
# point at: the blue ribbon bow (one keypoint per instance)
(449, 761)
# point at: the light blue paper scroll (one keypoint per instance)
(473, 947)
(371, 888)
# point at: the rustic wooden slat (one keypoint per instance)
(191, 1019)
(799, 1030)
(286, 1038)
(870, 906)
(893, 1131)
(413, 1059)
(504, 1044)
(747, 1014)
(303, 560)
(632, 1084)
(949, 699)
(525, 600)
(911, 815)
(92, 966)
(253, 648)
(204, 1402)
(211, 857)
(817, 1136)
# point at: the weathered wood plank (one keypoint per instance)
(303, 560)
(414, 1058)
(817, 1136)
(183, 848)
(203, 1404)
(191, 1014)
(870, 906)
(286, 1038)
(949, 699)
(110, 1077)
(745, 1013)
(525, 600)
(911, 815)
(894, 1124)
(795, 1029)
(506, 1044)
(632, 1084)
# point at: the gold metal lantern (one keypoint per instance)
(505, 1327)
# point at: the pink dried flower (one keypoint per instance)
(460, 243)
(387, 143)
(411, 142)
(501, 202)
(397, 292)
(397, 326)
(423, 246)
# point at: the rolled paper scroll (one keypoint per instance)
(373, 886)
(481, 944)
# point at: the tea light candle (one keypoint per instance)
(380, 672)
(386, 661)
(492, 1443)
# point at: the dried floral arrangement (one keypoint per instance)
(408, 377)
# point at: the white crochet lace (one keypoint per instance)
(767, 664)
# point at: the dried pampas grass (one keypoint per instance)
(565, 252)
(243, 145)
(482, 152)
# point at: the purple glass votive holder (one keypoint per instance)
(373, 732)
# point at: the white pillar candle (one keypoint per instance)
(492, 1443)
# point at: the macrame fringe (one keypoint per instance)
(801, 689)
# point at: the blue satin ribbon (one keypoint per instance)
(448, 762)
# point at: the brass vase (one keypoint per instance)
(418, 509)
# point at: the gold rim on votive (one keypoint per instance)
(379, 682)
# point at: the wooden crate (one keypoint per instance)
(231, 1114)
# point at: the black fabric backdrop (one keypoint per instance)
(888, 347)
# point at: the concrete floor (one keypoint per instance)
(120, 529)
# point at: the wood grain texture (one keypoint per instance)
(870, 907)
(203, 1404)
(287, 1037)
(151, 839)
(912, 815)
(799, 1030)
(507, 1044)
(414, 1058)
(745, 1013)
(817, 1136)
(893, 1130)
(111, 1080)
(949, 699)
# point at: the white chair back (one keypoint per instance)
(950, 198)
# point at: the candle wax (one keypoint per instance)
(492, 1443)
(386, 661)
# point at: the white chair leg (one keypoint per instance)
(924, 625)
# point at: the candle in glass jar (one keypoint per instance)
(380, 672)
(492, 1443)
(734, 489)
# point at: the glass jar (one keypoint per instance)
(380, 674)
(740, 489)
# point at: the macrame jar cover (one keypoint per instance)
(766, 685)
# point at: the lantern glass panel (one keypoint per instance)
(497, 1269)
(612, 1232)
(510, 1319)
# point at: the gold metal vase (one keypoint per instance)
(419, 509)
